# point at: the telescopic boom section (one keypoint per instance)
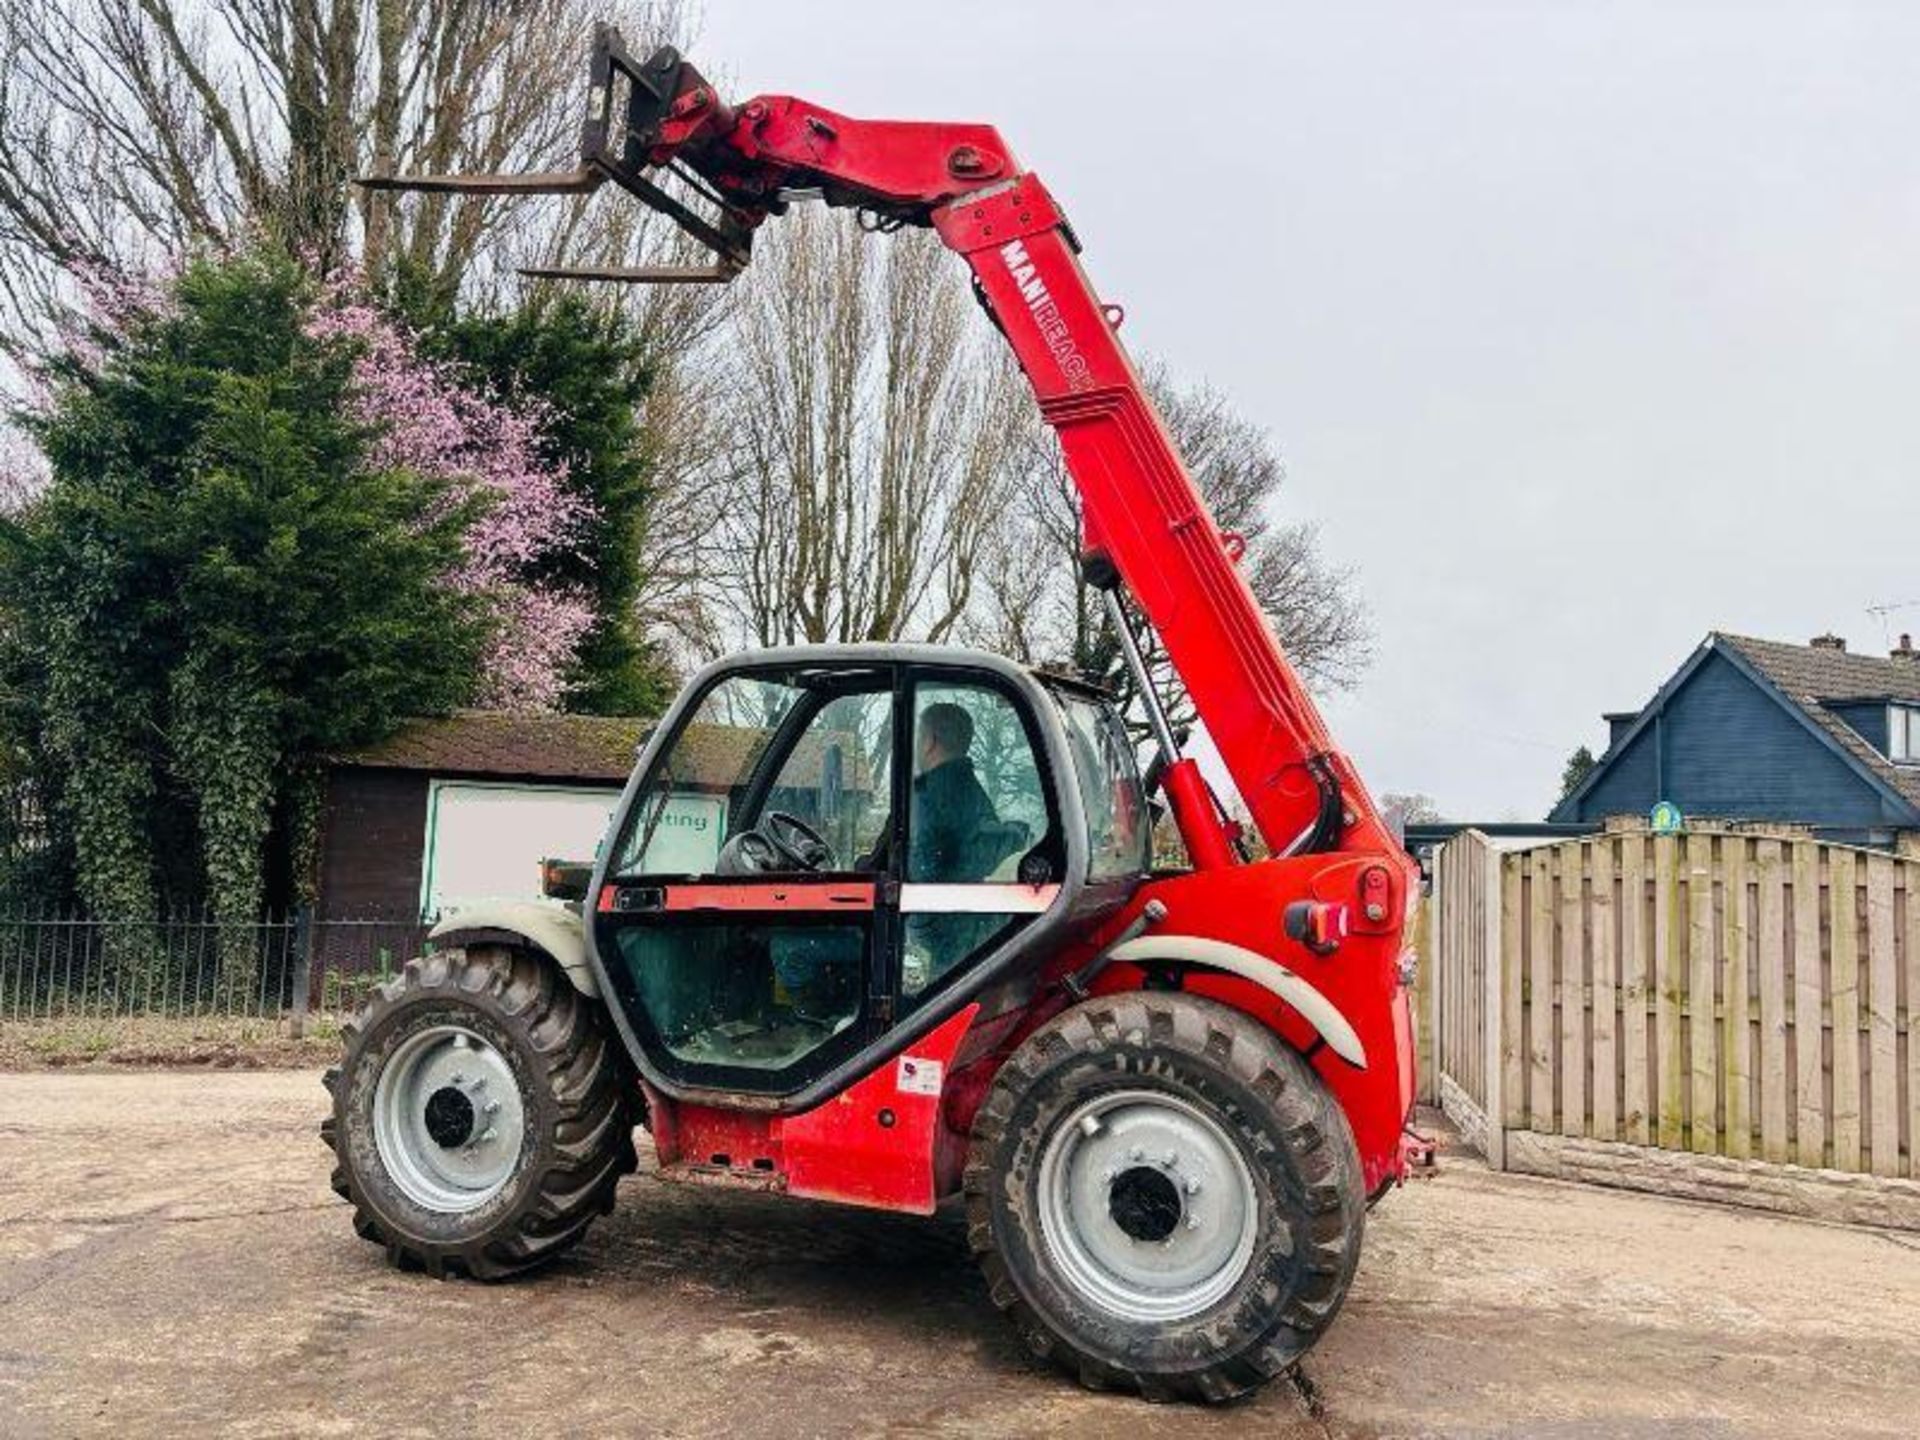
(1143, 516)
(1142, 511)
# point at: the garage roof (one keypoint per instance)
(496, 742)
(603, 748)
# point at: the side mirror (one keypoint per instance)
(1035, 869)
(565, 879)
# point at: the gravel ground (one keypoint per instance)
(172, 1262)
(215, 1042)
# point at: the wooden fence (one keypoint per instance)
(1463, 933)
(1717, 993)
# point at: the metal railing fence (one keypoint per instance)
(61, 965)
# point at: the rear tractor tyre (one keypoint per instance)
(1164, 1197)
(481, 1114)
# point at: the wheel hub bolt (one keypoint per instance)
(1135, 1153)
(1169, 1160)
(1192, 1186)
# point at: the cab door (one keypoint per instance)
(741, 959)
(984, 850)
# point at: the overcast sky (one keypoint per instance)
(1584, 329)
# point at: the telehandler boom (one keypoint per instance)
(879, 924)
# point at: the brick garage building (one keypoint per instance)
(464, 808)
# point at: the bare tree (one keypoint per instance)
(132, 129)
(1050, 615)
(1409, 808)
(871, 426)
(879, 471)
(681, 550)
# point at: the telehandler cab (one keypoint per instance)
(879, 924)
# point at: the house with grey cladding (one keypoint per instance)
(1807, 735)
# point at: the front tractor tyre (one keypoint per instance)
(480, 1115)
(1164, 1197)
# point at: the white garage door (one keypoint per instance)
(486, 842)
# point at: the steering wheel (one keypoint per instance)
(797, 841)
(780, 842)
(748, 853)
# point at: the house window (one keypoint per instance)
(1903, 734)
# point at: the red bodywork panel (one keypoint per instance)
(879, 1142)
(855, 896)
(1144, 515)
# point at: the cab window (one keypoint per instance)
(838, 776)
(977, 809)
(1119, 832)
(831, 739)
(693, 795)
(773, 773)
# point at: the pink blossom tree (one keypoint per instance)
(482, 447)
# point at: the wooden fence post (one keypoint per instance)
(1771, 924)
(1669, 925)
(299, 1000)
(1513, 1009)
(1570, 925)
(1736, 1035)
(1883, 1134)
(1810, 1113)
(1702, 1083)
(1432, 933)
(1843, 999)
(1636, 1103)
(1600, 976)
(1494, 979)
(1541, 1031)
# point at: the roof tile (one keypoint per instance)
(497, 742)
(1810, 674)
(594, 747)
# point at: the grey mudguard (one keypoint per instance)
(1268, 974)
(543, 924)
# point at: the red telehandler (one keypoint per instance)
(879, 924)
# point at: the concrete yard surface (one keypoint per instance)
(172, 1262)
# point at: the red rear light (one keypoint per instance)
(1316, 924)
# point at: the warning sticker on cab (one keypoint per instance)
(918, 1077)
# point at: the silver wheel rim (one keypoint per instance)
(1147, 1207)
(448, 1120)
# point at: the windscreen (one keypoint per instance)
(692, 796)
